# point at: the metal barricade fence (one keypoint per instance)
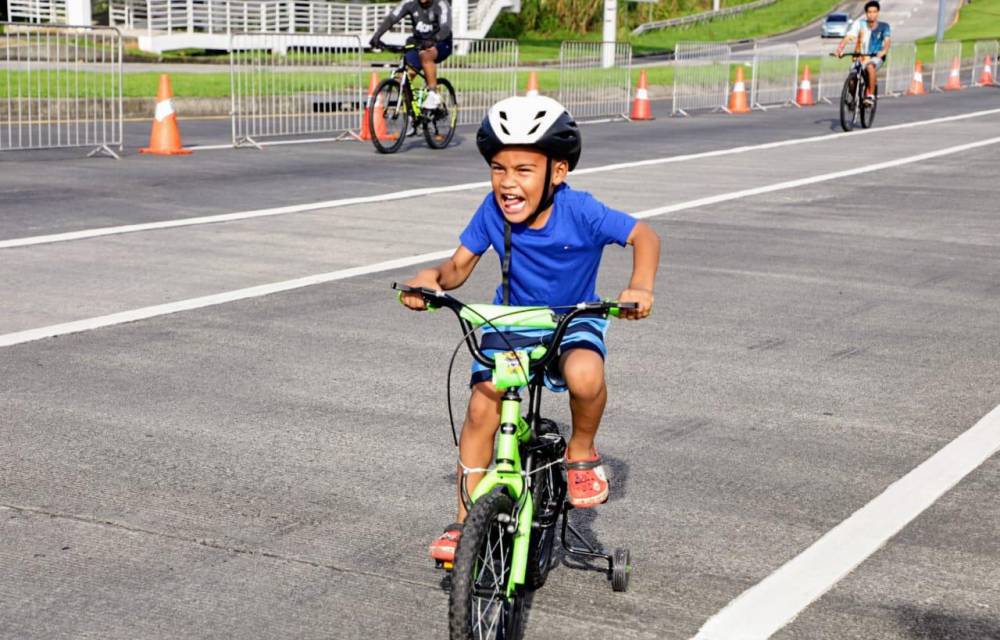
(984, 49)
(899, 66)
(945, 54)
(701, 77)
(775, 75)
(286, 85)
(832, 73)
(60, 87)
(482, 72)
(587, 88)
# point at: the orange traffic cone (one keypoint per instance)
(372, 85)
(738, 98)
(954, 78)
(986, 77)
(532, 89)
(640, 106)
(917, 84)
(165, 139)
(805, 96)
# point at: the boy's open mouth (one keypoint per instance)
(512, 203)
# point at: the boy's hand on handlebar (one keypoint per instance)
(642, 297)
(416, 301)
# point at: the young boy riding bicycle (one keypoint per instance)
(549, 239)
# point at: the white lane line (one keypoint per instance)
(801, 182)
(266, 289)
(413, 193)
(765, 608)
(123, 317)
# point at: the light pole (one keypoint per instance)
(610, 31)
(940, 28)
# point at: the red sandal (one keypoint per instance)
(588, 482)
(443, 548)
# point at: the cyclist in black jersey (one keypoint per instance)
(431, 22)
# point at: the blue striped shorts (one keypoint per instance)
(582, 333)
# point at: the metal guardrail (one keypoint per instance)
(899, 67)
(775, 75)
(701, 77)
(701, 17)
(984, 49)
(945, 54)
(482, 72)
(288, 85)
(63, 88)
(590, 89)
(830, 80)
(37, 11)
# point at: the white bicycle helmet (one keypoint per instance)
(531, 121)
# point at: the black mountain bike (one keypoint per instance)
(853, 110)
(397, 102)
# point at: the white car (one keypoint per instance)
(835, 25)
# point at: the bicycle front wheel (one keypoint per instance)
(479, 608)
(439, 127)
(388, 117)
(848, 105)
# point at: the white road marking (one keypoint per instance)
(266, 289)
(123, 317)
(765, 608)
(412, 193)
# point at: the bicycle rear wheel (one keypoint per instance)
(548, 491)
(868, 113)
(388, 116)
(479, 608)
(848, 104)
(439, 127)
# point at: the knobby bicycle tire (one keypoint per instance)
(868, 113)
(547, 493)
(431, 133)
(396, 113)
(848, 114)
(478, 608)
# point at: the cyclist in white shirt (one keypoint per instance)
(872, 38)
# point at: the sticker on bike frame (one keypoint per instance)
(510, 370)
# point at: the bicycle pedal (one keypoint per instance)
(447, 566)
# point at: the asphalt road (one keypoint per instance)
(274, 467)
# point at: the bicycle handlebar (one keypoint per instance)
(442, 299)
(854, 55)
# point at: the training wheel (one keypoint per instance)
(621, 568)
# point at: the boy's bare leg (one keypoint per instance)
(872, 79)
(583, 370)
(427, 61)
(475, 445)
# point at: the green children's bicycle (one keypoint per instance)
(508, 539)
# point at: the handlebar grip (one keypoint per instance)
(428, 294)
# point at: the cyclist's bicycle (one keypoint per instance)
(853, 109)
(396, 102)
(507, 543)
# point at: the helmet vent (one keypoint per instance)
(534, 129)
(503, 115)
(539, 115)
(504, 129)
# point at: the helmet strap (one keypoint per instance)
(548, 197)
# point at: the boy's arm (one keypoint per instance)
(645, 261)
(450, 274)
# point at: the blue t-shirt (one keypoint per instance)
(557, 264)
